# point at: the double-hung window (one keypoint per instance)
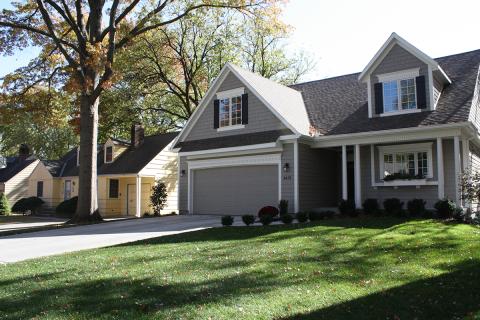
(414, 160)
(113, 188)
(230, 111)
(399, 95)
(108, 154)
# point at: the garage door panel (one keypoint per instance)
(235, 190)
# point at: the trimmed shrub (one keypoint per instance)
(459, 215)
(266, 219)
(445, 208)
(67, 207)
(283, 207)
(370, 206)
(346, 207)
(4, 206)
(248, 219)
(320, 215)
(27, 204)
(302, 216)
(268, 211)
(428, 214)
(227, 220)
(286, 218)
(416, 207)
(393, 206)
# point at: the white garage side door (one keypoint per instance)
(235, 190)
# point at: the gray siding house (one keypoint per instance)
(405, 127)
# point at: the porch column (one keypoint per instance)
(344, 173)
(456, 154)
(440, 178)
(466, 164)
(358, 187)
(138, 198)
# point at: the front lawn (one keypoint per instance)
(380, 268)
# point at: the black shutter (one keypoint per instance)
(378, 88)
(421, 92)
(245, 108)
(215, 113)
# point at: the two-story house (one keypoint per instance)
(126, 170)
(405, 127)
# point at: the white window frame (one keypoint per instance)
(399, 76)
(105, 154)
(406, 148)
(229, 94)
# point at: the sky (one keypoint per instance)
(343, 35)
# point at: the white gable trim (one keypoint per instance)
(393, 40)
(213, 91)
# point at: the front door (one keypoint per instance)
(67, 193)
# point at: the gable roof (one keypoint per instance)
(14, 167)
(393, 40)
(282, 101)
(130, 161)
(339, 105)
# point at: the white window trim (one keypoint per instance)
(399, 75)
(399, 105)
(229, 94)
(105, 153)
(417, 147)
(230, 127)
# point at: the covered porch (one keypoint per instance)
(431, 162)
(125, 195)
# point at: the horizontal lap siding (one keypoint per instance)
(399, 59)
(475, 166)
(318, 181)
(165, 169)
(428, 193)
(183, 186)
(288, 177)
(260, 118)
(17, 187)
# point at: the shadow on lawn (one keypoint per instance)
(245, 233)
(454, 295)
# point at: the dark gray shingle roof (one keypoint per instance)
(232, 141)
(14, 167)
(130, 161)
(339, 105)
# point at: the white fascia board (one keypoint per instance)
(230, 149)
(387, 136)
(387, 46)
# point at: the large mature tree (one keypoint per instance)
(167, 72)
(80, 40)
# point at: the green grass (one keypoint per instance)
(380, 268)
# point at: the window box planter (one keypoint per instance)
(405, 182)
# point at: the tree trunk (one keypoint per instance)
(87, 207)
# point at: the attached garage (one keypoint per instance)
(235, 190)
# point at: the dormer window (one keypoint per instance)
(108, 154)
(230, 110)
(399, 95)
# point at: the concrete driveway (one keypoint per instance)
(46, 243)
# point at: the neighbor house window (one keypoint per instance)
(108, 154)
(39, 189)
(113, 188)
(399, 95)
(230, 111)
(414, 160)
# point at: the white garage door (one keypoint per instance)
(235, 190)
